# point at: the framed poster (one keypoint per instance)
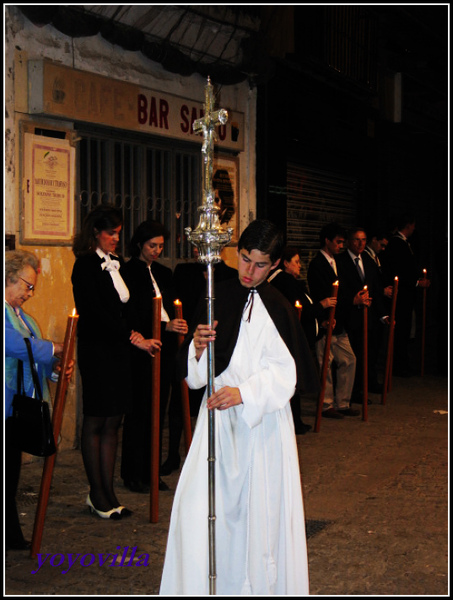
(48, 169)
(225, 181)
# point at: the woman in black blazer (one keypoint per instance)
(146, 279)
(103, 352)
(287, 281)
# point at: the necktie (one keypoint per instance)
(359, 269)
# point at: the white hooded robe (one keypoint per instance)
(260, 528)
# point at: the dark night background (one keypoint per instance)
(359, 92)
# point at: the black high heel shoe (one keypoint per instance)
(112, 514)
(123, 511)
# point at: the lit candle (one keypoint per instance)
(178, 314)
(390, 339)
(335, 285)
(66, 357)
(68, 345)
(394, 296)
(325, 361)
(178, 309)
(155, 415)
(365, 359)
(298, 306)
(57, 418)
(422, 367)
(184, 389)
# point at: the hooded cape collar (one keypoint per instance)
(230, 299)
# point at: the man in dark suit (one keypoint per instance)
(360, 287)
(322, 273)
(377, 242)
(400, 260)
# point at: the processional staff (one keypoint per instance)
(209, 237)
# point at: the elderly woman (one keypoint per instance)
(21, 273)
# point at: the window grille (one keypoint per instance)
(146, 180)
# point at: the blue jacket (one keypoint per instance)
(16, 349)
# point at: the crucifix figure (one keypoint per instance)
(206, 125)
(209, 236)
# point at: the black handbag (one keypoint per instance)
(31, 416)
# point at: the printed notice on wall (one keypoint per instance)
(47, 191)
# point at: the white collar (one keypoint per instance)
(327, 256)
(103, 254)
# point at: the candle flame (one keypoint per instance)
(298, 304)
(396, 278)
(177, 302)
(74, 313)
(365, 287)
(336, 282)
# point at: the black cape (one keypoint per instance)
(230, 300)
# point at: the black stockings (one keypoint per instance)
(99, 447)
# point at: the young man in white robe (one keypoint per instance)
(261, 358)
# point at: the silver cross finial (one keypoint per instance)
(209, 236)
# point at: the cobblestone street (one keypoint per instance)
(376, 502)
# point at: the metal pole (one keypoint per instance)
(209, 237)
(211, 438)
